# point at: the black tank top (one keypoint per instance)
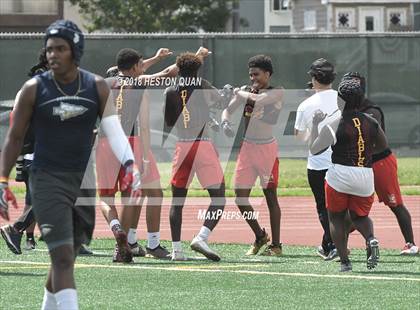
(187, 108)
(127, 98)
(63, 125)
(356, 134)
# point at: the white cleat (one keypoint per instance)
(410, 249)
(202, 247)
(178, 256)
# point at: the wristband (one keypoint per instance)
(4, 180)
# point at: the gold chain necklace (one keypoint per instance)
(62, 92)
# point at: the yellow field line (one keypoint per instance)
(190, 268)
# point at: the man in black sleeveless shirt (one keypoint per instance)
(64, 104)
(349, 185)
(385, 172)
(187, 110)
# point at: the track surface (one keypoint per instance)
(299, 224)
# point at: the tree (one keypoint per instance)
(156, 15)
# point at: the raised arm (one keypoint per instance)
(271, 96)
(161, 54)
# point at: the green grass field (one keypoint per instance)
(292, 180)
(297, 280)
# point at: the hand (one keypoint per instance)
(213, 124)
(131, 178)
(202, 52)
(318, 117)
(163, 53)
(6, 197)
(227, 129)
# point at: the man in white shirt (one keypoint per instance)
(325, 99)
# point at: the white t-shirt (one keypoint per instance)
(356, 181)
(326, 101)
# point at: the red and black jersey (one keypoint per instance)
(186, 107)
(356, 135)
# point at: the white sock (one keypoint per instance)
(49, 302)
(153, 240)
(113, 223)
(132, 235)
(67, 299)
(177, 246)
(204, 233)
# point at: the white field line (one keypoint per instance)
(191, 268)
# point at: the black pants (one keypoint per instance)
(316, 179)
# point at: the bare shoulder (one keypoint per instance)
(28, 90)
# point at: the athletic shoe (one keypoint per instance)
(372, 253)
(178, 256)
(346, 266)
(159, 252)
(119, 258)
(124, 252)
(320, 251)
(137, 250)
(30, 244)
(84, 250)
(272, 250)
(12, 238)
(258, 244)
(331, 255)
(202, 247)
(410, 249)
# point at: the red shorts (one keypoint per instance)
(338, 202)
(257, 160)
(387, 187)
(110, 173)
(196, 157)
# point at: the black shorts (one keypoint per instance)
(65, 212)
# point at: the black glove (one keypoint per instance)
(226, 93)
(227, 129)
(213, 124)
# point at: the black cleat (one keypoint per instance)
(30, 243)
(372, 252)
(346, 266)
(12, 238)
(84, 250)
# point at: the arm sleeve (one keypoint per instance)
(117, 139)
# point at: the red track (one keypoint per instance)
(300, 224)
